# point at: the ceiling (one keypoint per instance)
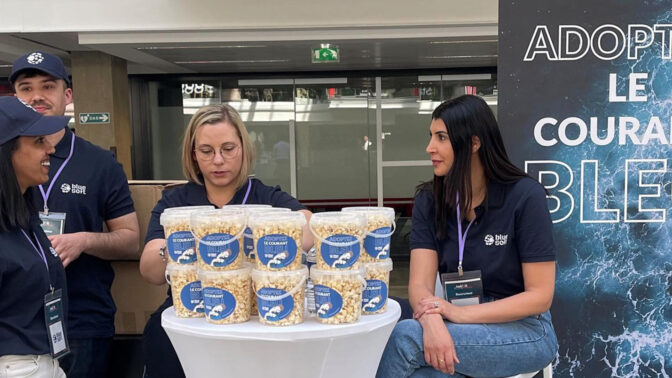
(265, 51)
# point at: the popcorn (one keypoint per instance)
(338, 295)
(380, 226)
(277, 239)
(280, 295)
(179, 239)
(186, 290)
(374, 298)
(219, 236)
(338, 239)
(226, 295)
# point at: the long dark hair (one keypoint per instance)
(466, 117)
(15, 208)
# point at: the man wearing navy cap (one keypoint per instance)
(87, 187)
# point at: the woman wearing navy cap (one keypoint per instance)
(485, 226)
(217, 157)
(32, 279)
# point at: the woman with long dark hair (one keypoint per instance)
(484, 226)
(32, 279)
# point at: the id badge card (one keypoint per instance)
(463, 290)
(53, 314)
(53, 223)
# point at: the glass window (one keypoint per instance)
(266, 110)
(335, 135)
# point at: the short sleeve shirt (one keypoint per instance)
(91, 189)
(24, 281)
(511, 227)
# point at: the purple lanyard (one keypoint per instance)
(40, 252)
(45, 196)
(461, 238)
(249, 186)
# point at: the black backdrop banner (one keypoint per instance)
(585, 106)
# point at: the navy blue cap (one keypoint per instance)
(19, 119)
(41, 61)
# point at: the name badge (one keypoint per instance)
(53, 315)
(53, 223)
(463, 290)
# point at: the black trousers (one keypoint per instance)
(160, 358)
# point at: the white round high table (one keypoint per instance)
(307, 350)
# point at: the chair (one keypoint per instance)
(547, 371)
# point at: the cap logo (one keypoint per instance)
(35, 58)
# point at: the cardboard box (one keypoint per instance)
(136, 299)
(145, 195)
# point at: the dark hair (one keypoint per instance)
(15, 208)
(466, 117)
(32, 72)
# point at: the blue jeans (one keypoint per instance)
(484, 350)
(87, 357)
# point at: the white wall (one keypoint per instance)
(21, 16)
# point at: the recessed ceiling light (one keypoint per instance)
(5, 65)
(459, 56)
(232, 61)
(197, 47)
(467, 41)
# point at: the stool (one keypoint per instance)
(547, 373)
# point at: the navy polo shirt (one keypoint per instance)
(192, 194)
(91, 189)
(511, 227)
(24, 281)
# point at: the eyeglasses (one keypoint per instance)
(207, 153)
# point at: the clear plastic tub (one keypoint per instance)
(277, 239)
(186, 289)
(374, 298)
(188, 208)
(380, 227)
(179, 239)
(219, 236)
(280, 295)
(338, 295)
(226, 295)
(248, 241)
(338, 239)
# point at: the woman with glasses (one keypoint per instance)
(217, 157)
(32, 279)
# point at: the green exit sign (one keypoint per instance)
(90, 118)
(326, 54)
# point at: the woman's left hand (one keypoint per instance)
(434, 305)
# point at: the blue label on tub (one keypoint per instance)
(340, 257)
(274, 310)
(378, 248)
(218, 303)
(181, 247)
(215, 252)
(248, 243)
(374, 296)
(276, 250)
(192, 296)
(328, 302)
